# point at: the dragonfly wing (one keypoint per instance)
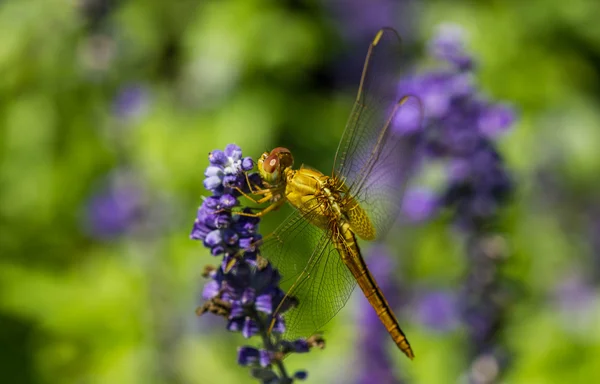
(312, 271)
(321, 292)
(380, 186)
(374, 158)
(290, 246)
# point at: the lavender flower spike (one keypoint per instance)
(244, 288)
(464, 125)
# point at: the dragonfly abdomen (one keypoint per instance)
(351, 255)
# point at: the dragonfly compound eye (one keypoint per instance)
(285, 157)
(271, 165)
(268, 167)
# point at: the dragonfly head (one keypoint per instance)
(271, 165)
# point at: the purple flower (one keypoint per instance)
(298, 346)
(249, 356)
(244, 289)
(227, 171)
(479, 187)
(460, 125)
(438, 310)
(131, 102)
(419, 204)
(448, 45)
(226, 178)
(594, 236)
(460, 128)
(495, 120)
(358, 23)
(484, 299)
(576, 300)
(249, 291)
(117, 208)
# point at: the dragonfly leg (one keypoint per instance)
(265, 199)
(267, 192)
(275, 205)
(257, 191)
(265, 188)
(249, 183)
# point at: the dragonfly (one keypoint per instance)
(316, 248)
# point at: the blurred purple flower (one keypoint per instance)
(407, 120)
(117, 208)
(594, 236)
(448, 45)
(496, 120)
(419, 204)
(577, 302)
(358, 22)
(438, 310)
(574, 295)
(460, 125)
(485, 298)
(460, 128)
(122, 204)
(131, 102)
(478, 186)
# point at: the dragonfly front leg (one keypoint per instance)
(256, 189)
(268, 195)
(250, 184)
(275, 205)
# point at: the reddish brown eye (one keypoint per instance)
(271, 163)
(284, 155)
(280, 150)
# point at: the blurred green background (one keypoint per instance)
(99, 94)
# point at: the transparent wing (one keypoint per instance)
(312, 271)
(291, 245)
(375, 156)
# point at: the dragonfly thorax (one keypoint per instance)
(315, 195)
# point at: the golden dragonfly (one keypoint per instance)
(316, 248)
